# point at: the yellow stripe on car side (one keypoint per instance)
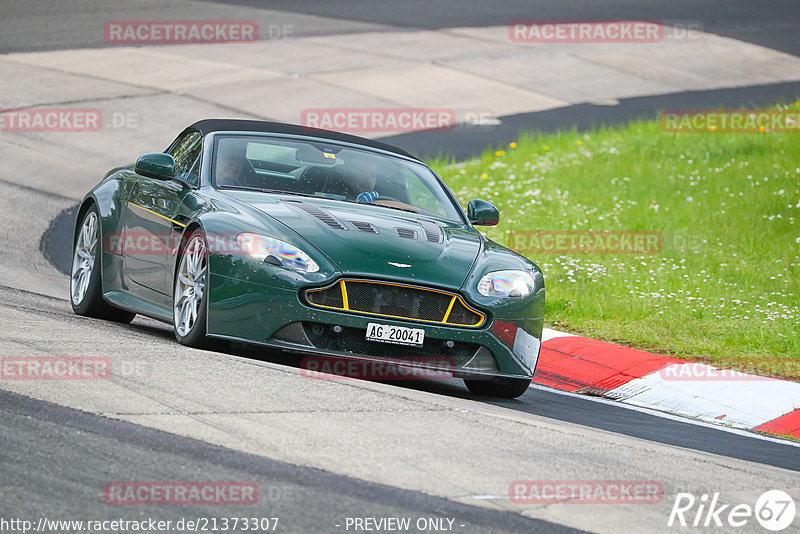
(157, 214)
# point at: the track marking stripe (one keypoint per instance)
(787, 424)
(634, 377)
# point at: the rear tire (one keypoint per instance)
(498, 386)
(85, 281)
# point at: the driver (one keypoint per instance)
(232, 166)
(362, 178)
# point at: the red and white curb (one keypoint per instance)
(581, 365)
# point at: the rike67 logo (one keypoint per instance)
(774, 510)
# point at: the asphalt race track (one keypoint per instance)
(135, 453)
(320, 451)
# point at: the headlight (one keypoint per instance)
(276, 252)
(506, 284)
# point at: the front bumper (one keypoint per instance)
(507, 344)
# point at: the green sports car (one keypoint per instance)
(309, 241)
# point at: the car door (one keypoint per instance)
(154, 218)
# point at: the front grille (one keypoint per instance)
(329, 298)
(397, 301)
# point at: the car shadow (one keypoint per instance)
(451, 387)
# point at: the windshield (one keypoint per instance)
(331, 171)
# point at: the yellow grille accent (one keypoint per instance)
(449, 309)
(345, 304)
(396, 301)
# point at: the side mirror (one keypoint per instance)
(159, 166)
(482, 213)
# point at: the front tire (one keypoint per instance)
(498, 386)
(189, 295)
(85, 283)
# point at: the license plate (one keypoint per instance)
(399, 335)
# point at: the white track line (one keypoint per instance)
(665, 415)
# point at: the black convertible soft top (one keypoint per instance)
(238, 125)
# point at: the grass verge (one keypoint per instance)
(721, 283)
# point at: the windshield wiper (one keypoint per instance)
(266, 190)
(415, 210)
(295, 193)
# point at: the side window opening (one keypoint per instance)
(194, 173)
(187, 157)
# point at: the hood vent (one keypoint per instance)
(433, 232)
(319, 213)
(365, 227)
(408, 233)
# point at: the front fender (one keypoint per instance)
(510, 315)
(242, 288)
(109, 197)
